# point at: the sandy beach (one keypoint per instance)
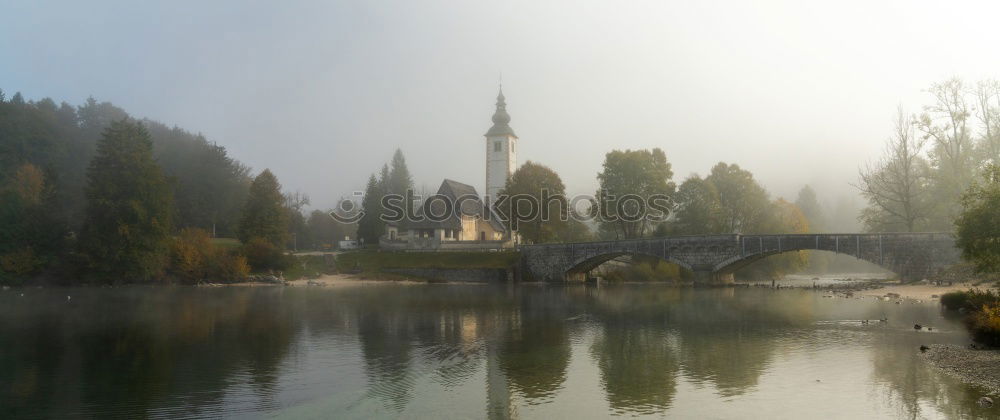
(916, 291)
(342, 280)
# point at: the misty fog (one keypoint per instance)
(322, 94)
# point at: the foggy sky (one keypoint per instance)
(323, 92)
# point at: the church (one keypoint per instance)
(472, 225)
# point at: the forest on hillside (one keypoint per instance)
(47, 158)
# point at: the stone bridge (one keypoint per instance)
(714, 258)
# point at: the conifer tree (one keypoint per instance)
(371, 226)
(264, 215)
(127, 221)
(400, 179)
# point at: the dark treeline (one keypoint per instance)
(209, 186)
(91, 194)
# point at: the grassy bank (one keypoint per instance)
(308, 267)
(372, 262)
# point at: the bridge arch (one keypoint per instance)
(735, 263)
(582, 265)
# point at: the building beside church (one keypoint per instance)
(457, 217)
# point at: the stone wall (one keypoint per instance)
(435, 244)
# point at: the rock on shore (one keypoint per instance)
(978, 367)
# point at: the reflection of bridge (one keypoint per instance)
(714, 258)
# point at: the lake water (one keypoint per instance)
(471, 351)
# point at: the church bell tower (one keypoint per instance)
(501, 142)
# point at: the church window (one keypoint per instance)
(497, 146)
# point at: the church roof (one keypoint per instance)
(501, 119)
(471, 205)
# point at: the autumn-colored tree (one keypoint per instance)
(195, 258)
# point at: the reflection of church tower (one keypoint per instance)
(498, 399)
(500, 142)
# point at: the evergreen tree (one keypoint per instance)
(810, 207)
(264, 215)
(126, 228)
(371, 226)
(399, 175)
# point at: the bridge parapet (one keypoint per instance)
(911, 255)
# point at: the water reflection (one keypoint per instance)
(138, 351)
(465, 351)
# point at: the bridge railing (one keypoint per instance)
(740, 237)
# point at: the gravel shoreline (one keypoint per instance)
(977, 367)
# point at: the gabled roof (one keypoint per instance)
(465, 197)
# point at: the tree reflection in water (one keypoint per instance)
(134, 351)
(399, 350)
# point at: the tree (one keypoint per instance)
(297, 231)
(987, 97)
(637, 173)
(744, 203)
(371, 226)
(29, 234)
(810, 207)
(541, 186)
(807, 203)
(979, 222)
(897, 187)
(264, 215)
(126, 229)
(782, 217)
(699, 210)
(945, 124)
(210, 186)
(399, 176)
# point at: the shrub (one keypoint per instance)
(983, 316)
(191, 252)
(194, 257)
(230, 268)
(984, 324)
(263, 255)
(954, 300)
(20, 262)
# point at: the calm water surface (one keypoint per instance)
(468, 351)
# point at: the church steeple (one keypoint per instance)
(501, 157)
(501, 119)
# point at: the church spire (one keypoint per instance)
(501, 119)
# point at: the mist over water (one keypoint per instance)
(470, 351)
